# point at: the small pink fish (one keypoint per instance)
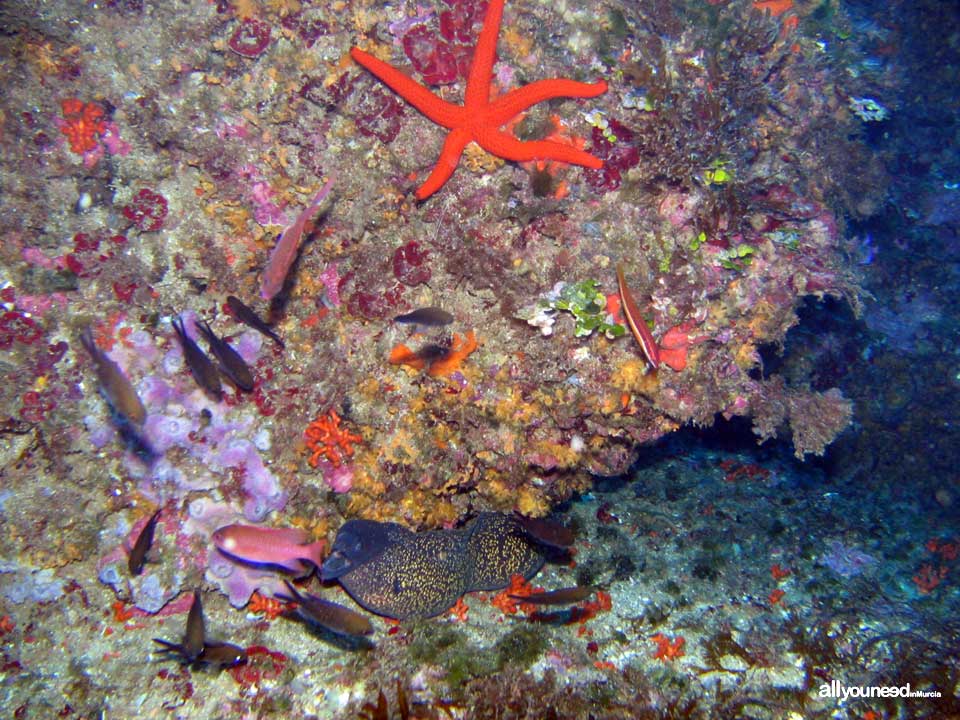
(283, 547)
(285, 251)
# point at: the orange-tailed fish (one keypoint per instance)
(637, 324)
(114, 385)
(248, 316)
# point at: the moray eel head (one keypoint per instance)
(359, 542)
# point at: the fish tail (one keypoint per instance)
(169, 646)
(316, 552)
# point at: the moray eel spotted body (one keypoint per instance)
(392, 571)
(498, 548)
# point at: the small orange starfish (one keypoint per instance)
(478, 119)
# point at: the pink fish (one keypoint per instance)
(285, 251)
(284, 547)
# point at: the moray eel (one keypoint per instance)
(359, 542)
(417, 578)
(392, 571)
(498, 548)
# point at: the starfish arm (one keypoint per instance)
(506, 146)
(449, 158)
(440, 111)
(477, 93)
(516, 101)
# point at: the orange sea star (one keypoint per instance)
(479, 119)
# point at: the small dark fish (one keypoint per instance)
(222, 655)
(231, 362)
(546, 532)
(194, 637)
(326, 614)
(115, 386)
(138, 553)
(217, 655)
(202, 368)
(248, 316)
(564, 596)
(430, 316)
(421, 358)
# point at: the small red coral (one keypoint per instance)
(506, 600)
(82, 124)
(431, 57)
(36, 406)
(16, 326)
(251, 38)
(445, 58)
(147, 211)
(326, 439)
(928, 578)
(618, 156)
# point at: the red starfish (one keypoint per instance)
(479, 119)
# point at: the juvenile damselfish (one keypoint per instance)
(563, 596)
(196, 649)
(335, 618)
(138, 553)
(233, 365)
(194, 637)
(114, 385)
(247, 316)
(427, 316)
(201, 367)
